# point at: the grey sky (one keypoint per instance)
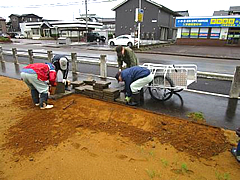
(70, 9)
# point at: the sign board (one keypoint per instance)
(139, 15)
(209, 22)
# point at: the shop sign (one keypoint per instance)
(139, 15)
(208, 22)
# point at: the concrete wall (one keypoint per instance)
(201, 42)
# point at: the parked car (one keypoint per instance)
(124, 40)
(95, 37)
(19, 36)
(12, 34)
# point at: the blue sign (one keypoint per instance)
(208, 22)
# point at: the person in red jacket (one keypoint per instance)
(36, 76)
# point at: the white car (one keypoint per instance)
(124, 40)
(19, 36)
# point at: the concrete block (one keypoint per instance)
(76, 84)
(89, 82)
(79, 90)
(60, 95)
(100, 85)
(60, 88)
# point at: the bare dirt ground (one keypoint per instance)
(97, 140)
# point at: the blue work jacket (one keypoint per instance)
(132, 74)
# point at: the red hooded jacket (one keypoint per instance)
(44, 72)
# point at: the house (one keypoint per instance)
(3, 28)
(221, 29)
(15, 20)
(158, 20)
(108, 28)
(53, 29)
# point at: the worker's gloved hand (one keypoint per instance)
(238, 132)
(127, 98)
(64, 81)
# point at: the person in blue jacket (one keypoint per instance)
(236, 150)
(135, 78)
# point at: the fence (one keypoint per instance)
(101, 61)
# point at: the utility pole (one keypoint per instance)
(86, 16)
(139, 25)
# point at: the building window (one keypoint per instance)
(194, 32)
(185, 32)
(203, 33)
(215, 33)
(35, 31)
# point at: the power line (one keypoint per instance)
(59, 4)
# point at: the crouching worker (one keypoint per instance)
(36, 77)
(61, 63)
(135, 78)
(236, 151)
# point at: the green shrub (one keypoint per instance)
(3, 39)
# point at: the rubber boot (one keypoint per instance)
(135, 100)
(141, 96)
(35, 97)
(238, 149)
(43, 101)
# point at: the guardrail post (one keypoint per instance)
(103, 66)
(30, 53)
(74, 66)
(235, 87)
(1, 55)
(50, 56)
(15, 58)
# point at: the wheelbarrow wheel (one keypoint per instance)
(160, 93)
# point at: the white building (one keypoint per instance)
(213, 30)
(52, 29)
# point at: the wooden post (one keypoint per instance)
(30, 53)
(235, 87)
(103, 66)
(74, 66)
(15, 58)
(50, 56)
(1, 55)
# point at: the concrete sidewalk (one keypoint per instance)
(218, 111)
(198, 51)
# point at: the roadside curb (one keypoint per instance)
(169, 53)
(226, 77)
(189, 55)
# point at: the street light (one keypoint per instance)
(86, 19)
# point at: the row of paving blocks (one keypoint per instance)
(90, 88)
